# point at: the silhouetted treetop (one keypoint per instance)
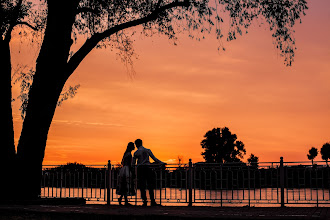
(325, 152)
(19, 13)
(220, 146)
(73, 166)
(312, 153)
(253, 161)
(11, 14)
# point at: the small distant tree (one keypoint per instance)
(73, 166)
(325, 152)
(180, 160)
(220, 146)
(312, 153)
(253, 161)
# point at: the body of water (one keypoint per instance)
(174, 196)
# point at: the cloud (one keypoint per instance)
(79, 123)
(171, 161)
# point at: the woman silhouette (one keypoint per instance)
(125, 186)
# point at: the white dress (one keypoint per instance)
(125, 184)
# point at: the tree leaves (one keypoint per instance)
(198, 18)
(312, 153)
(325, 151)
(24, 77)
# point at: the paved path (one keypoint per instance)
(100, 212)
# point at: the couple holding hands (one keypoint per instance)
(145, 175)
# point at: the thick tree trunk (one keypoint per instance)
(7, 146)
(49, 79)
(30, 151)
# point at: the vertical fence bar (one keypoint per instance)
(105, 185)
(221, 184)
(190, 182)
(61, 183)
(135, 183)
(74, 183)
(317, 191)
(69, 185)
(91, 184)
(161, 184)
(109, 183)
(83, 183)
(282, 181)
(112, 183)
(249, 187)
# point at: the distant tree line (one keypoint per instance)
(74, 175)
(220, 145)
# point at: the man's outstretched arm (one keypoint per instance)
(154, 158)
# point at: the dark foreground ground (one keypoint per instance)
(100, 212)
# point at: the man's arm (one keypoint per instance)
(153, 157)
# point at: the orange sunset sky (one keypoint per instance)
(180, 92)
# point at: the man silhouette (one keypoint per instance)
(145, 175)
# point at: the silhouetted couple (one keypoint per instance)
(145, 176)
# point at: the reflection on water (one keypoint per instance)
(174, 196)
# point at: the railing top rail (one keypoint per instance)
(63, 166)
(235, 163)
(170, 165)
(309, 162)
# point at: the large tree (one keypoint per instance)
(104, 23)
(221, 146)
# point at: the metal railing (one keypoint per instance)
(82, 182)
(265, 183)
(306, 183)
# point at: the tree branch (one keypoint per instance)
(90, 43)
(158, 4)
(85, 10)
(27, 24)
(13, 20)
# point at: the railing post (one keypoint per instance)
(161, 184)
(249, 186)
(135, 183)
(282, 181)
(190, 182)
(221, 184)
(317, 190)
(109, 183)
(61, 183)
(83, 183)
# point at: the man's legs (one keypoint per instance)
(151, 179)
(142, 175)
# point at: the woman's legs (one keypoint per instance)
(126, 200)
(121, 198)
